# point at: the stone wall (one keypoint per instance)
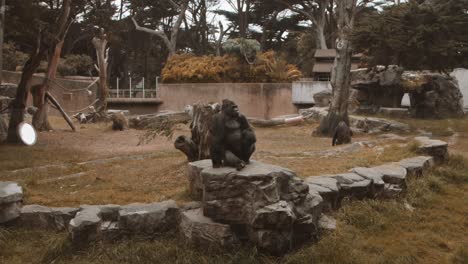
(259, 100)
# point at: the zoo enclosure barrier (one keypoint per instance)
(134, 89)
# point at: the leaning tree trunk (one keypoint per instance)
(100, 44)
(19, 104)
(40, 119)
(341, 73)
(198, 146)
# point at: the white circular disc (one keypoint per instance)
(27, 134)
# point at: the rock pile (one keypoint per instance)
(263, 204)
(11, 199)
(363, 124)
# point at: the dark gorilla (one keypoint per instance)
(119, 122)
(233, 138)
(342, 134)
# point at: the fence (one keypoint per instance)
(134, 91)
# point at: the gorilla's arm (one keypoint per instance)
(217, 143)
(247, 130)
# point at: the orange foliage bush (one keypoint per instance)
(211, 69)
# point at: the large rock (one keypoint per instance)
(85, 228)
(378, 184)
(392, 173)
(268, 202)
(148, 218)
(11, 197)
(433, 95)
(381, 85)
(328, 188)
(8, 90)
(437, 149)
(195, 180)
(42, 217)
(203, 231)
(323, 98)
(418, 165)
(354, 186)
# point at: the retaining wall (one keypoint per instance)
(259, 100)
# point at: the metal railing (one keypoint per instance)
(134, 91)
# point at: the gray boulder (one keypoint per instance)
(11, 197)
(354, 186)
(85, 228)
(148, 218)
(433, 95)
(328, 188)
(323, 98)
(42, 217)
(381, 85)
(202, 231)
(418, 165)
(267, 202)
(438, 149)
(195, 180)
(327, 223)
(393, 173)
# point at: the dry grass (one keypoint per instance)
(368, 231)
(161, 176)
(379, 232)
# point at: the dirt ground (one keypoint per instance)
(55, 172)
(97, 166)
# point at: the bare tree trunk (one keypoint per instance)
(341, 69)
(19, 104)
(198, 146)
(320, 40)
(171, 43)
(40, 119)
(2, 24)
(100, 44)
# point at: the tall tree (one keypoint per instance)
(45, 41)
(346, 11)
(2, 25)
(170, 42)
(316, 12)
(40, 119)
(418, 36)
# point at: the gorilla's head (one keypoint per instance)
(230, 108)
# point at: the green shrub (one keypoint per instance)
(12, 57)
(75, 65)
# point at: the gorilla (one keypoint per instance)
(119, 121)
(233, 138)
(342, 134)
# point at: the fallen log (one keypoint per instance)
(59, 107)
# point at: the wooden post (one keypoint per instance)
(118, 87)
(143, 87)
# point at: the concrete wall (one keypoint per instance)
(462, 77)
(303, 91)
(258, 100)
(72, 98)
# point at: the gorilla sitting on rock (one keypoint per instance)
(233, 138)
